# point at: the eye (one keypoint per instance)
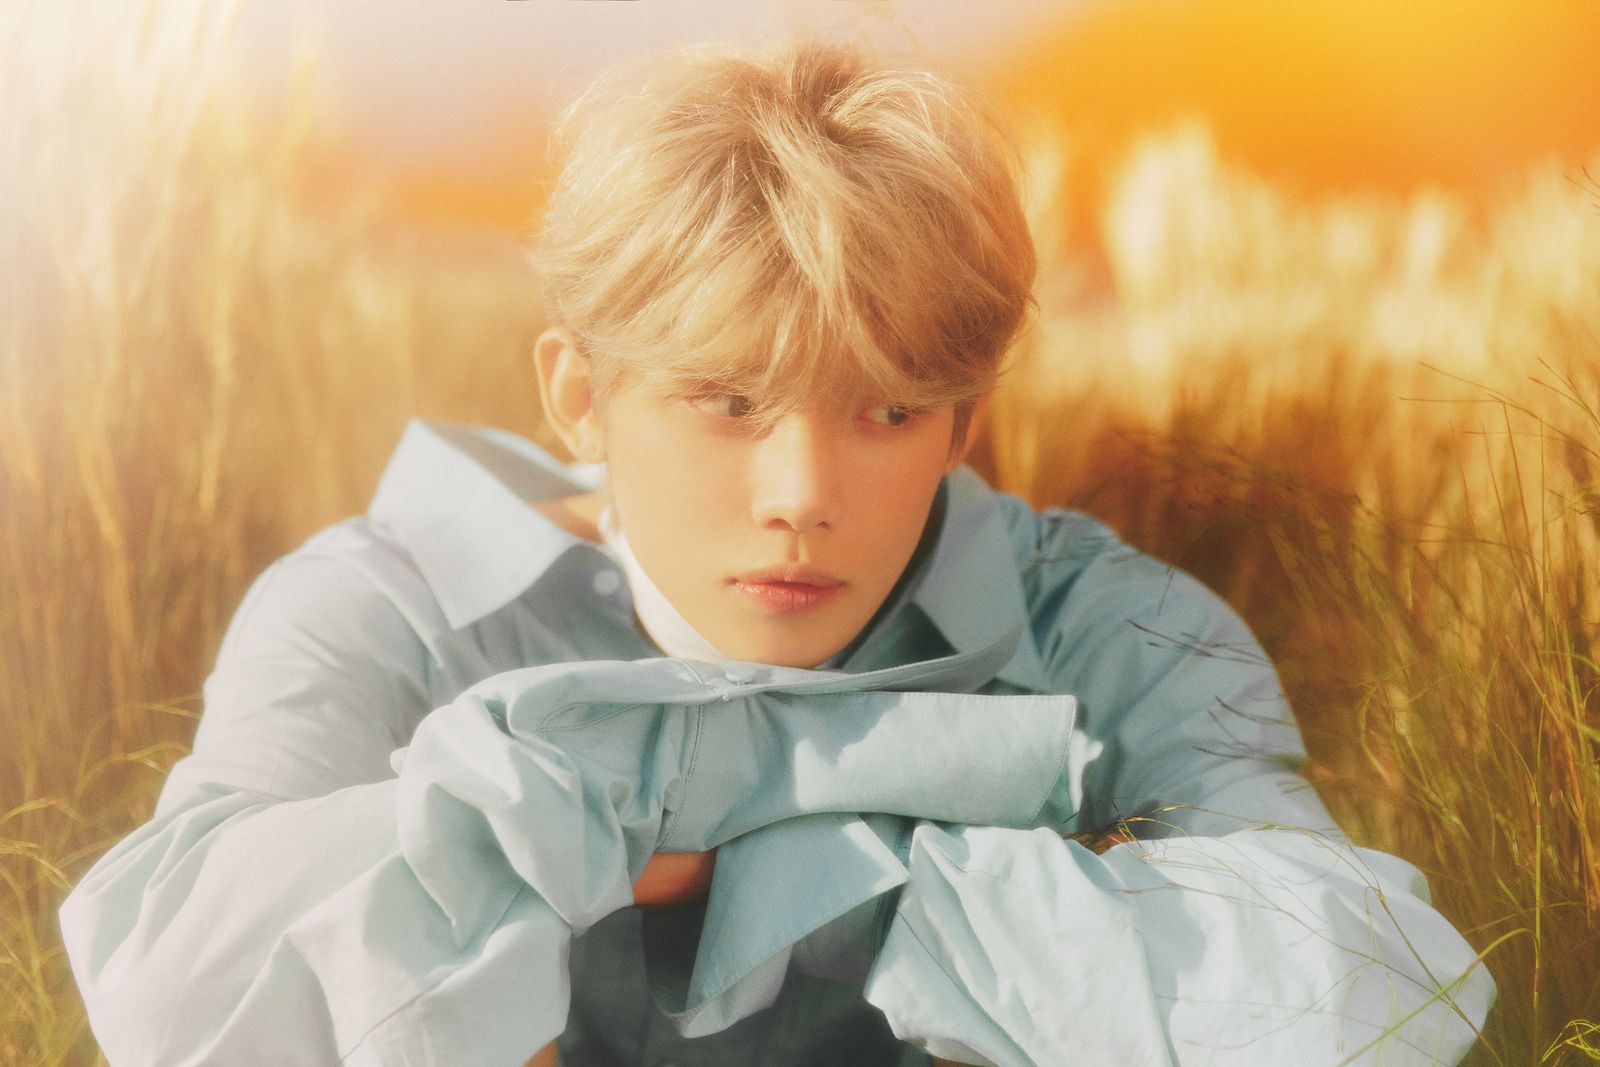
(889, 414)
(724, 405)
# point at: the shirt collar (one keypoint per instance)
(970, 589)
(459, 500)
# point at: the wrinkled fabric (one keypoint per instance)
(1270, 946)
(437, 752)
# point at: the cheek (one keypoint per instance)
(900, 490)
(666, 489)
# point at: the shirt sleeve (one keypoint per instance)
(1241, 928)
(268, 913)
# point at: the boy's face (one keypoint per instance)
(777, 546)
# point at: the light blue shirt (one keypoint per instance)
(437, 751)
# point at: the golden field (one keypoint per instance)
(1372, 424)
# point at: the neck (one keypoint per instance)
(578, 514)
(661, 622)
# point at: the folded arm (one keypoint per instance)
(269, 903)
(1242, 927)
(294, 891)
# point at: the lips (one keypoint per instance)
(793, 589)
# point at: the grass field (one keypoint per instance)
(1374, 426)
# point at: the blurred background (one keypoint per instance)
(1319, 320)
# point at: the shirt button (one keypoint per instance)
(607, 582)
(739, 675)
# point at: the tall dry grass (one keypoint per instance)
(1375, 428)
(195, 372)
(1372, 426)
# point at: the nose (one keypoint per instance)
(793, 475)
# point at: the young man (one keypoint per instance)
(783, 637)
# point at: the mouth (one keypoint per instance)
(788, 590)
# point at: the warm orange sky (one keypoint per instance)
(1324, 95)
(452, 100)
(1365, 94)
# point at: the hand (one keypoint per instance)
(1097, 841)
(675, 879)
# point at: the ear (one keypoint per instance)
(565, 390)
(970, 437)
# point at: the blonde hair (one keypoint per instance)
(791, 226)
